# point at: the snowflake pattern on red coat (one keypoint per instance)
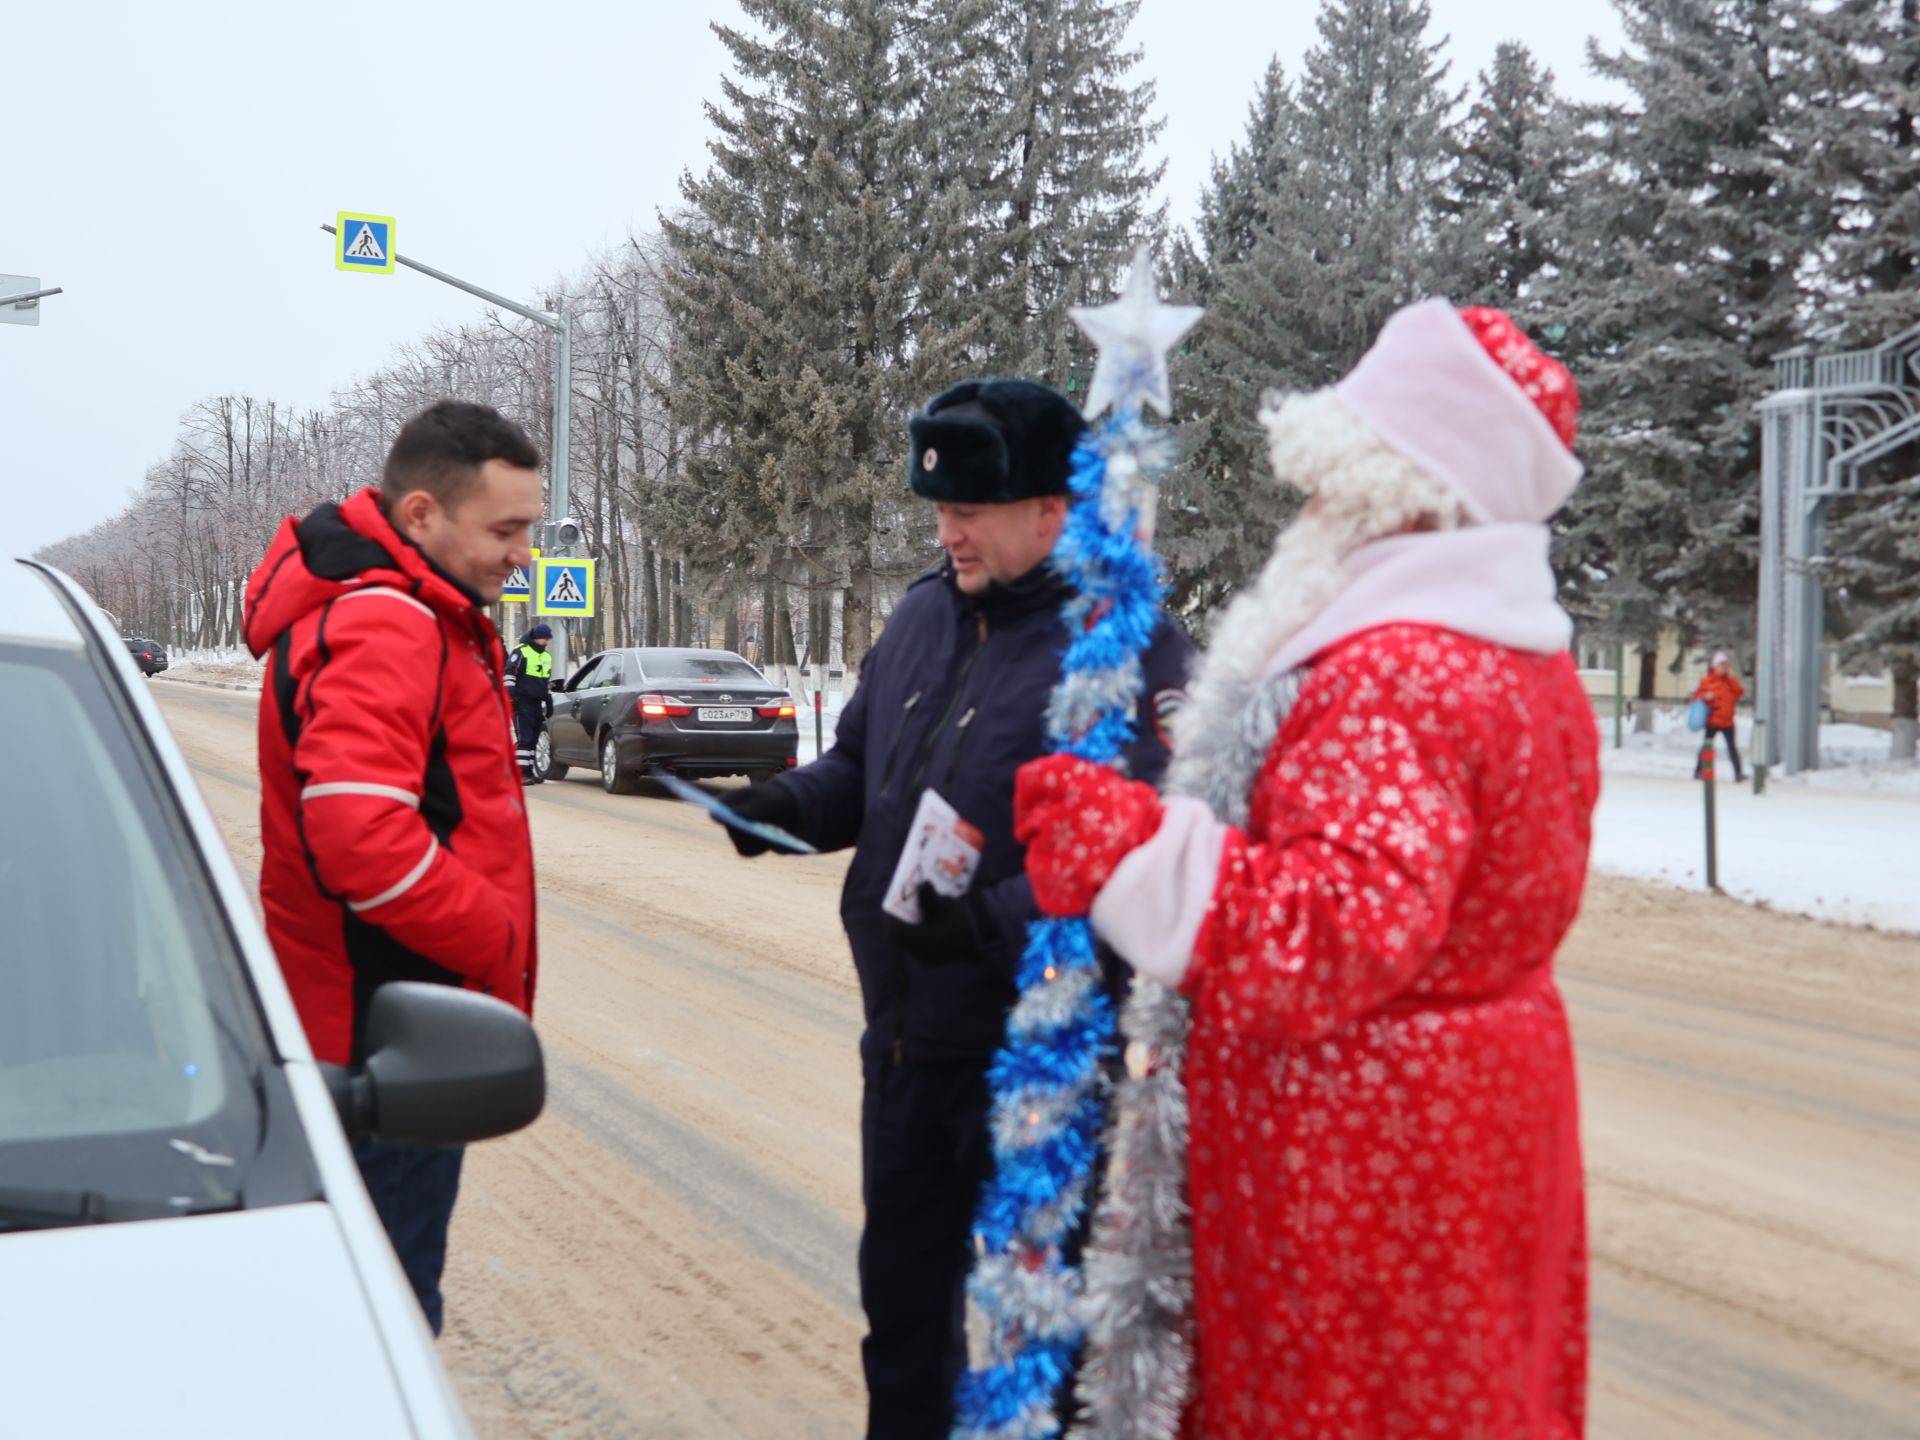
(1386, 1183)
(1547, 383)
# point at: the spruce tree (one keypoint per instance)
(1234, 207)
(1033, 107)
(1861, 59)
(1686, 258)
(1221, 509)
(1352, 168)
(1510, 189)
(1860, 63)
(1351, 235)
(803, 279)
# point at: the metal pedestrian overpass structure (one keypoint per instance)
(1828, 418)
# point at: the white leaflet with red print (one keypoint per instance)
(942, 850)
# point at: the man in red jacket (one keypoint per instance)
(390, 807)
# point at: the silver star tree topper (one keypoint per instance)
(1133, 335)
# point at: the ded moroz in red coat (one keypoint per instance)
(1361, 902)
(1388, 1226)
(391, 810)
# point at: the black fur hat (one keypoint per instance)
(988, 442)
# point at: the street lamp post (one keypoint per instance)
(20, 297)
(561, 325)
(30, 296)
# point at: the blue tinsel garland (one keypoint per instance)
(1047, 1082)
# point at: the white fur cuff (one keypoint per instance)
(1152, 908)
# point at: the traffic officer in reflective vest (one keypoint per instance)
(530, 683)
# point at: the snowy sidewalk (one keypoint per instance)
(1850, 856)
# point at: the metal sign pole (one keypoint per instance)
(1619, 693)
(1707, 788)
(562, 450)
(562, 327)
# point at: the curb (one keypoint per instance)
(209, 684)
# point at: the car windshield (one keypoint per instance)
(128, 1058)
(669, 668)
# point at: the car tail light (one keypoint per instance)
(774, 712)
(651, 705)
(146, 655)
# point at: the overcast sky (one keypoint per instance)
(170, 165)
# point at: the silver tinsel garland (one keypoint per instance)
(1136, 1369)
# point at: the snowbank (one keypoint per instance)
(829, 716)
(216, 667)
(1849, 856)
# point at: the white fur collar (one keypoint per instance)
(1492, 582)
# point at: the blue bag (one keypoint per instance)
(1697, 716)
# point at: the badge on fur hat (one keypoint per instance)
(990, 442)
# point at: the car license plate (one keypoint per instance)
(725, 715)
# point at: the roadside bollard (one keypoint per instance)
(1707, 787)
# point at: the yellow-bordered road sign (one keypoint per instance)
(519, 587)
(363, 242)
(563, 587)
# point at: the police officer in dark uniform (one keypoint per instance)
(953, 699)
(530, 683)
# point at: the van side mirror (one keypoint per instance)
(444, 1066)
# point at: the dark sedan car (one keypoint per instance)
(149, 655)
(693, 712)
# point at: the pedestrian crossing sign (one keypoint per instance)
(519, 587)
(563, 587)
(363, 242)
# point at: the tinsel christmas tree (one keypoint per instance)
(1048, 1081)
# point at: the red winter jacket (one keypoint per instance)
(390, 806)
(1722, 693)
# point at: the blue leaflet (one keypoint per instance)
(1048, 1096)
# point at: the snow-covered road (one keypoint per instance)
(670, 1250)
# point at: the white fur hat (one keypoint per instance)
(1468, 399)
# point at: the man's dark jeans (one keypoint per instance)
(924, 1155)
(413, 1189)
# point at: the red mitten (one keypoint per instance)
(1078, 821)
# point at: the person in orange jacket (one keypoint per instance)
(1722, 692)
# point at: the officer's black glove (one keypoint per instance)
(951, 929)
(546, 707)
(770, 803)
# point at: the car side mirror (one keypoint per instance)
(444, 1067)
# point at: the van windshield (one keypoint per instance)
(128, 1058)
